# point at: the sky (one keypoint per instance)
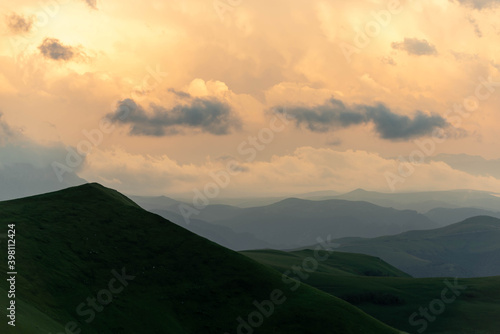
(238, 98)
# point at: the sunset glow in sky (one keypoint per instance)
(285, 97)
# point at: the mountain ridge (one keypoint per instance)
(70, 244)
(470, 248)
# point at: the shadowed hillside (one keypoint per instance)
(391, 296)
(84, 242)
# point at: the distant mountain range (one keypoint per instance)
(295, 222)
(428, 200)
(281, 225)
(418, 201)
(467, 249)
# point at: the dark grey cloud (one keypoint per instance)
(479, 4)
(180, 94)
(322, 118)
(205, 114)
(53, 48)
(91, 3)
(19, 24)
(415, 46)
(393, 126)
(334, 114)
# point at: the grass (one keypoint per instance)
(467, 249)
(393, 299)
(338, 263)
(68, 242)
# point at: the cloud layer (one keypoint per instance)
(205, 114)
(302, 170)
(415, 46)
(334, 114)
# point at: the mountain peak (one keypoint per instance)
(88, 192)
(359, 191)
(477, 220)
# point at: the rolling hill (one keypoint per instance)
(391, 296)
(444, 216)
(338, 263)
(90, 259)
(467, 249)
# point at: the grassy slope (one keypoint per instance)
(69, 241)
(467, 249)
(394, 299)
(338, 263)
(476, 309)
(29, 319)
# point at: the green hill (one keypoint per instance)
(447, 216)
(338, 263)
(90, 259)
(467, 249)
(394, 300)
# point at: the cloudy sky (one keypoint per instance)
(266, 98)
